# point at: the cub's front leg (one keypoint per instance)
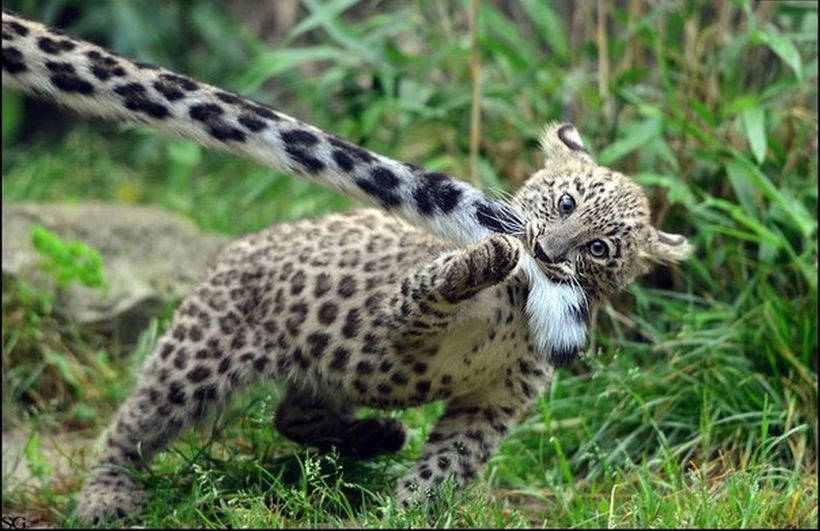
(431, 295)
(474, 424)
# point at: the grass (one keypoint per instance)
(696, 403)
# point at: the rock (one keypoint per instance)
(150, 256)
(59, 455)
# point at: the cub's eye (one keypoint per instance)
(598, 249)
(566, 204)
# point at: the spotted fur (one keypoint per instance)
(474, 303)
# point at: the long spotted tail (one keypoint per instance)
(48, 64)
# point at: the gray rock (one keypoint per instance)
(150, 256)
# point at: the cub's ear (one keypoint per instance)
(563, 140)
(668, 248)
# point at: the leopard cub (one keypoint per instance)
(474, 302)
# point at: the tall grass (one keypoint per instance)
(696, 372)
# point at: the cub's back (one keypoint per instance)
(366, 243)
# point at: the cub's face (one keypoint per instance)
(588, 225)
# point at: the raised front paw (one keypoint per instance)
(480, 266)
(502, 255)
(108, 494)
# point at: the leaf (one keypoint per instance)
(337, 30)
(636, 136)
(754, 123)
(743, 187)
(35, 458)
(320, 15)
(663, 151)
(271, 63)
(503, 35)
(549, 25)
(68, 261)
(802, 220)
(784, 48)
(677, 191)
(763, 233)
(62, 364)
(766, 253)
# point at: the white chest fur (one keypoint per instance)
(557, 314)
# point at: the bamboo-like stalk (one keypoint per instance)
(475, 105)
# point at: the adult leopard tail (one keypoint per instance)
(91, 80)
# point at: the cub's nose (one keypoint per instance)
(549, 255)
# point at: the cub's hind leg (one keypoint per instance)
(313, 421)
(209, 352)
(464, 438)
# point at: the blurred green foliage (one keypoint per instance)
(68, 261)
(712, 106)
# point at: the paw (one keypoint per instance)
(415, 491)
(482, 265)
(409, 493)
(369, 437)
(503, 252)
(106, 496)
